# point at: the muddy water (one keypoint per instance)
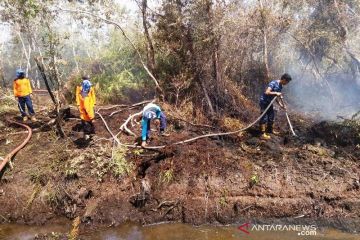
(24, 232)
(169, 232)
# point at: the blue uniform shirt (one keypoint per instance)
(275, 87)
(151, 111)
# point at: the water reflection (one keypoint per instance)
(174, 231)
(25, 232)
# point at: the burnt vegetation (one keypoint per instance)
(206, 63)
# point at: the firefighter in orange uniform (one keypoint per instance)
(23, 94)
(85, 99)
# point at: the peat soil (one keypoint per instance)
(312, 178)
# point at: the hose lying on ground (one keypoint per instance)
(13, 152)
(221, 134)
(195, 138)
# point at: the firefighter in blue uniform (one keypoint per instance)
(152, 112)
(273, 89)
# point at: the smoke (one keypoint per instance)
(320, 88)
(328, 98)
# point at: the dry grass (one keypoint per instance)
(33, 196)
(167, 176)
(7, 101)
(186, 111)
(232, 124)
(74, 233)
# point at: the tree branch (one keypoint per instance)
(124, 127)
(108, 128)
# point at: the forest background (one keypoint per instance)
(212, 55)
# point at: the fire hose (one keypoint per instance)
(287, 117)
(17, 149)
(223, 133)
(8, 157)
(290, 125)
(202, 136)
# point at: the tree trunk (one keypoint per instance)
(265, 44)
(74, 55)
(214, 48)
(54, 98)
(197, 72)
(207, 98)
(2, 67)
(266, 57)
(41, 68)
(216, 68)
(27, 54)
(150, 46)
(35, 47)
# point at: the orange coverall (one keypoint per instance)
(86, 104)
(22, 87)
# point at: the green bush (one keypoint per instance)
(117, 73)
(119, 165)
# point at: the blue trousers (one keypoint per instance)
(25, 102)
(269, 116)
(145, 124)
(162, 122)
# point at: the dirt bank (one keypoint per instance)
(213, 180)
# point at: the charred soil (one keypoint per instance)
(213, 180)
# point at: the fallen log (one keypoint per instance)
(124, 127)
(132, 106)
(108, 129)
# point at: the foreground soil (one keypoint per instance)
(314, 177)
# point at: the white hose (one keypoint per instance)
(202, 136)
(290, 125)
(220, 134)
(288, 119)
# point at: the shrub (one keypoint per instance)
(7, 101)
(119, 165)
(167, 176)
